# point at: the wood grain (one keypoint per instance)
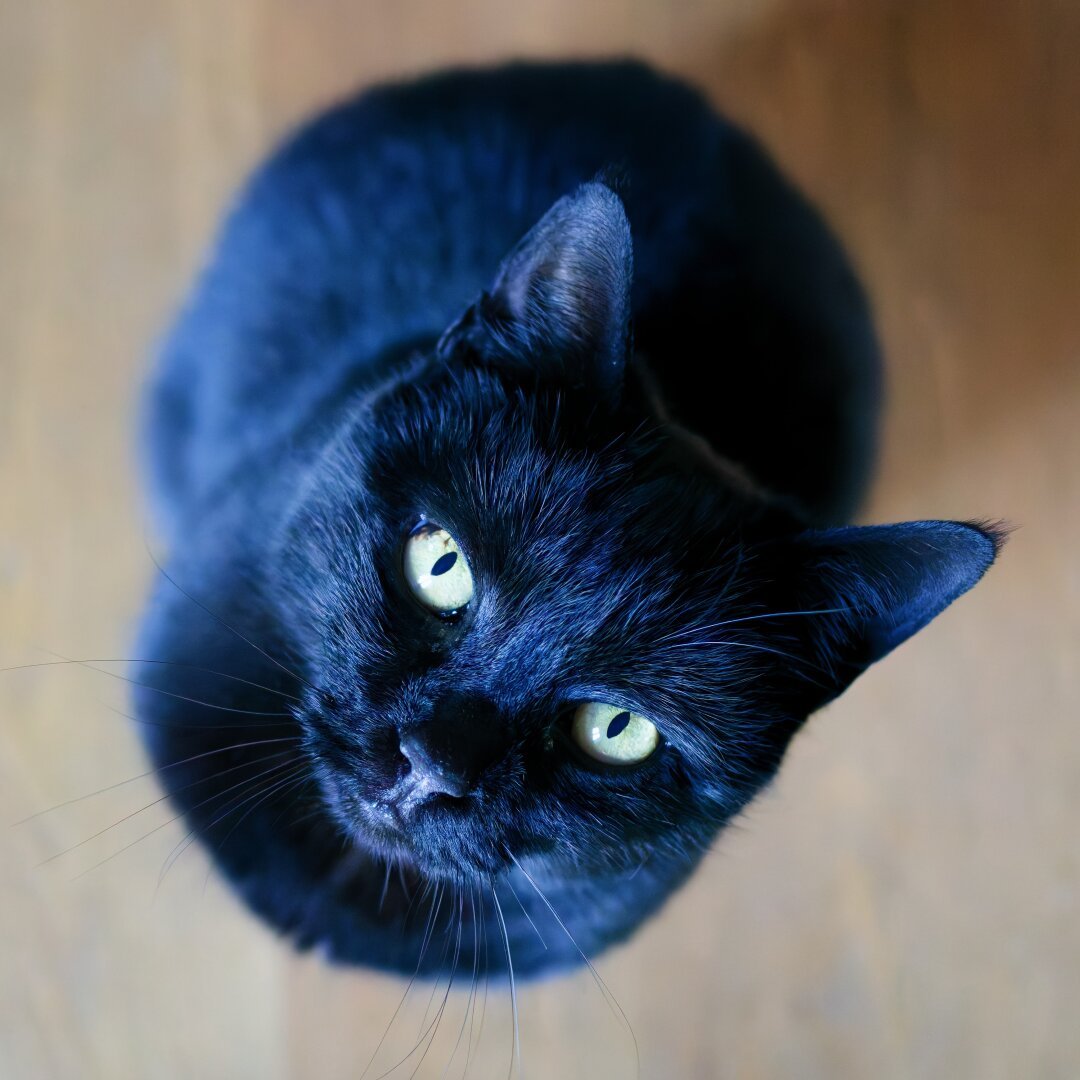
(904, 902)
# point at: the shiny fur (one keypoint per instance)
(573, 317)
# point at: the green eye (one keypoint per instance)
(613, 735)
(436, 570)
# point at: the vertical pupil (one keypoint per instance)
(443, 563)
(618, 724)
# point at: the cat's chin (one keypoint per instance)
(387, 836)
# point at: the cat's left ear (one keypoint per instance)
(861, 591)
(560, 303)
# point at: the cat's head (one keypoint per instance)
(541, 620)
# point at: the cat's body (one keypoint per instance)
(375, 227)
(311, 407)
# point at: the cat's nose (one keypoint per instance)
(449, 751)
(437, 775)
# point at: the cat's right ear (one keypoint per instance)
(559, 306)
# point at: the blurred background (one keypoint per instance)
(904, 902)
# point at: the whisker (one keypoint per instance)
(433, 914)
(152, 772)
(416, 900)
(249, 725)
(472, 983)
(513, 893)
(423, 1029)
(296, 820)
(189, 838)
(164, 663)
(175, 852)
(172, 694)
(278, 787)
(394, 1016)
(316, 811)
(432, 920)
(753, 618)
(385, 886)
(401, 878)
(515, 1056)
(434, 988)
(232, 629)
(157, 828)
(446, 997)
(800, 660)
(604, 988)
(487, 972)
(478, 932)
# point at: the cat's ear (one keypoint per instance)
(871, 587)
(560, 302)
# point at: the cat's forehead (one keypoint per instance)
(535, 466)
(558, 509)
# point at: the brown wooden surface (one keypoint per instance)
(906, 901)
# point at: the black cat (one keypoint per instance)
(502, 570)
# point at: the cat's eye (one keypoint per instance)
(613, 735)
(436, 570)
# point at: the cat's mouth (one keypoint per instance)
(397, 815)
(439, 833)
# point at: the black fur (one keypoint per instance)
(642, 425)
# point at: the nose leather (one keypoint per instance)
(449, 751)
(437, 775)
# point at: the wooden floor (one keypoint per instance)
(906, 901)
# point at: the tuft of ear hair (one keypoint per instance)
(559, 306)
(879, 584)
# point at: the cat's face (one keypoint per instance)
(536, 624)
(509, 623)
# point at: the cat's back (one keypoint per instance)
(377, 223)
